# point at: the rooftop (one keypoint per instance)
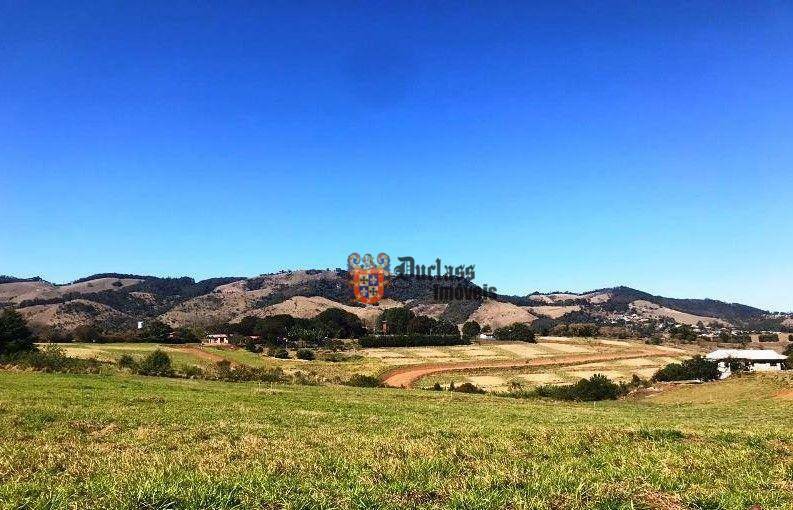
(751, 354)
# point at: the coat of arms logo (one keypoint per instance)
(369, 276)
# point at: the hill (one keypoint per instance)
(118, 300)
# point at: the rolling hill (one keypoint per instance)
(116, 301)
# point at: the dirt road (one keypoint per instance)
(201, 353)
(405, 377)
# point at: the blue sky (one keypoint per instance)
(564, 146)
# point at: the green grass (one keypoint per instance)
(124, 442)
(330, 371)
(113, 351)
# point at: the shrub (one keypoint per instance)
(694, 368)
(411, 340)
(252, 346)
(192, 372)
(337, 357)
(364, 381)
(597, 387)
(517, 331)
(127, 361)
(156, 363)
(768, 337)
(278, 352)
(306, 354)
(437, 387)
(467, 388)
(224, 371)
(653, 340)
(52, 358)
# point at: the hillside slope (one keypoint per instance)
(117, 300)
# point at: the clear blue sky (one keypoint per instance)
(559, 147)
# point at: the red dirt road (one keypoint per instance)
(404, 377)
(200, 352)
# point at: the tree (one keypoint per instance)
(274, 327)
(694, 368)
(421, 325)
(517, 331)
(87, 333)
(471, 329)
(183, 336)
(155, 331)
(395, 320)
(683, 333)
(443, 327)
(14, 333)
(340, 323)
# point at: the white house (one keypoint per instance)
(216, 339)
(757, 360)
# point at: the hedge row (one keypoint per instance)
(412, 340)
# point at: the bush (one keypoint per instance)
(597, 387)
(156, 363)
(192, 372)
(437, 387)
(467, 388)
(654, 340)
(690, 369)
(338, 357)
(278, 352)
(411, 340)
(306, 354)
(224, 371)
(51, 358)
(364, 381)
(768, 337)
(127, 361)
(517, 331)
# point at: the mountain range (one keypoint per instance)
(116, 301)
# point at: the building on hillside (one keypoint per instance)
(754, 360)
(220, 339)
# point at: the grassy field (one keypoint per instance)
(115, 441)
(113, 351)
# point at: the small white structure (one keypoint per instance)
(756, 360)
(221, 339)
(485, 336)
(140, 324)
